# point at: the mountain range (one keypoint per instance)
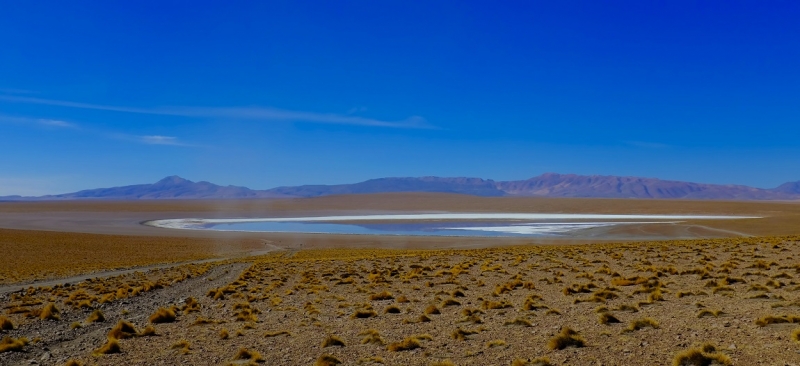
(545, 185)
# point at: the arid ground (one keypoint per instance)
(85, 283)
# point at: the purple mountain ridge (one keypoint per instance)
(545, 185)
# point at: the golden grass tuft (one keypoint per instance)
(385, 295)
(769, 319)
(519, 321)
(392, 309)
(331, 341)
(706, 355)
(277, 333)
(607, 318)
(73, 363)
(163, 315)
(50, 312)
(327, 360)
(96, 317)
(443, 363)
(245, 354)
(123, 330)
(10, 344)
(405, 345)
(182, 345)
(223, 334)
(148, 331)
(372, 336)
(567, 338)
(496, 343)
(450, 302)
(462, 334)
(641, 324)
(6, 324)
(111, 346)
(704, 313)
(363, 314)
(432, 310)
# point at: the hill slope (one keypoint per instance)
(545, 185)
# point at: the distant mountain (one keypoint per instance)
(173, 187)
(545, 185)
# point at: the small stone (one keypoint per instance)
(732, 347)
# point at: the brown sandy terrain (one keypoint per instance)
(514, 296)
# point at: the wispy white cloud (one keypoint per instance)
(152, 139)
(241, 113)
(37, 121)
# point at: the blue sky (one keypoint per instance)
(263, 94)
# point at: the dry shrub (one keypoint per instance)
(496, 343)
(567, 338)
(245, 354)
(327, 360)
(406, 345)
(607, 318)
(462, 334)
(163, 315)
(73, 363)
(385, 295)
(518, 321)
(123, 330)
(96, 317)
(11, 344)
(769, 319)
(705, 355)
(450, 302)
(182, 345)
(442, 363)
(112, 346)
(796, 335)
(50, 312)
(362, 314)
(332, 340)
(223, 334)
(432, 309)
(148, 331)
(372, 337)
(392, 310)
(704, 313)
(6, 324)
(641, 323)
(277, 333)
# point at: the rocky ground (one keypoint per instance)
(729, 301)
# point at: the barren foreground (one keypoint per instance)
(730, 301)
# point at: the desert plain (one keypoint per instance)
(85, 283)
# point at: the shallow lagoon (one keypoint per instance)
(437, 224)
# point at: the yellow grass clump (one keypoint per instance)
(249, 355)
(111, 346)
(567, 338)
(6, 324)
(327, 360)
(163, 315)
(96, 317)
(405, 345)
(11, 344)
(331, 341)
(706, 355)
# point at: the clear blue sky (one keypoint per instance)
(263, 94)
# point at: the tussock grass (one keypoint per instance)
(769, 319)
(432, 310)
(641, 324)
(519, 321)
(223, 334)
(705, 312)
(567, 338)
(9, 344)
(363, 314)
(111, 346)
(6, 324)
(250, 355)
(372, 336)
(163, 315)
(385, 295)
(405, 345)
(607, 318)
(706, 355)
(462, 334)
(50, 312)
(496, 343)
(96, 317)
(123, 330)
(331, 341)
(450, 302)
(443, 363)
(148, 331)
(327, 360)
(73, 362)
(277, 333)
(392, 309)
(796, 335)
(182, 345)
